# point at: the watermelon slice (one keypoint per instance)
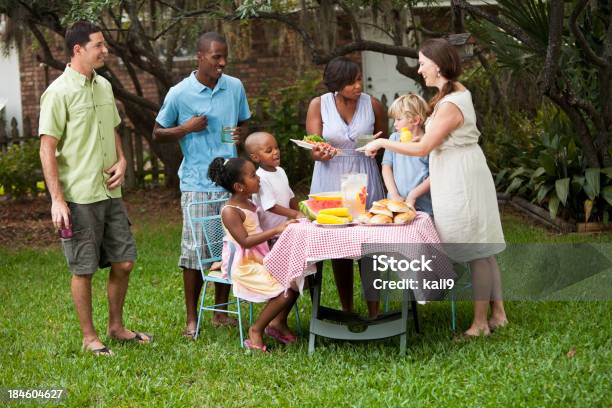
(311, 208)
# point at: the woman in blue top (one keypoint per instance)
(340, 116)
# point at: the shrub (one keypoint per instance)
(552, 171)
(20, 169)
(283, 114)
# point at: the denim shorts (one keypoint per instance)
(101, 236)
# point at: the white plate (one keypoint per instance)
(348, 224)
(325, 194)
(309, 146)
(302, 143)
(381, 225)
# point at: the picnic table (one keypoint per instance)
(294, 256)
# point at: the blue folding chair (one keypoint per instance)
(211, 228)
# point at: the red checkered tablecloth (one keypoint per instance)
(302, 244)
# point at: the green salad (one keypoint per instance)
(313, 138)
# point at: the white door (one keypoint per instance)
(10, 91)
(380, 77)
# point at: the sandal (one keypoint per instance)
(224, 321)
(190, 334)
(139, 337)
(249, 345)
(102, 351)
(280, 337)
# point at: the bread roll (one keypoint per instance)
(381, 210)
(365, 218)
(399, 206)
(382, 203)
(404, 218)
(381, 219)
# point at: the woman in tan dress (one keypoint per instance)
(462, 189)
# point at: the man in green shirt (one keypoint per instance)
(84, 168)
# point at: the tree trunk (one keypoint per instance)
(579, 123)
(169, 153)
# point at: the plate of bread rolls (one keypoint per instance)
(387, 212)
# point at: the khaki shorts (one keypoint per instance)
(101, 236)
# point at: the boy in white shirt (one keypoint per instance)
(275, 197)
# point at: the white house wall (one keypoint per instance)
(10, 90)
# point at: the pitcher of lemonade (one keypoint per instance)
(354, 187)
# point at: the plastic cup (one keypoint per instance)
(354, 192)
(363, 140)
(227, 134)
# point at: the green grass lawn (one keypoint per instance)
(526, 364)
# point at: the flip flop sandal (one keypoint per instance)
(102, 351)
(224, 323)
(280, 337)
(249, 345)
(190, 334)
(139, 337)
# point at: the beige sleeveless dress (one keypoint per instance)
(250, 279)
(463, 194)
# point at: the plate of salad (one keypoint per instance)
(310, 141)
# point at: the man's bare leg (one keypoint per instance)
(192, 282)
(118, 280)
(80, 287)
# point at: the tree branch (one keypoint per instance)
(379, 28)
(169, 5)
(512, 30)
(501, 98)
(118, 88)
(411, 72)
(426, 31)
(287, 20)
(130, 68)
(606, 79)
(124, 95)
(457, 19)
(580, 39)
(178, 19)
(399, 22)
(48, 57)
(363, 45)
(581, 126)
(172, 41)
(51, 20)
(555, 28)
(353, 22)
(321, 57)
(145, 49)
